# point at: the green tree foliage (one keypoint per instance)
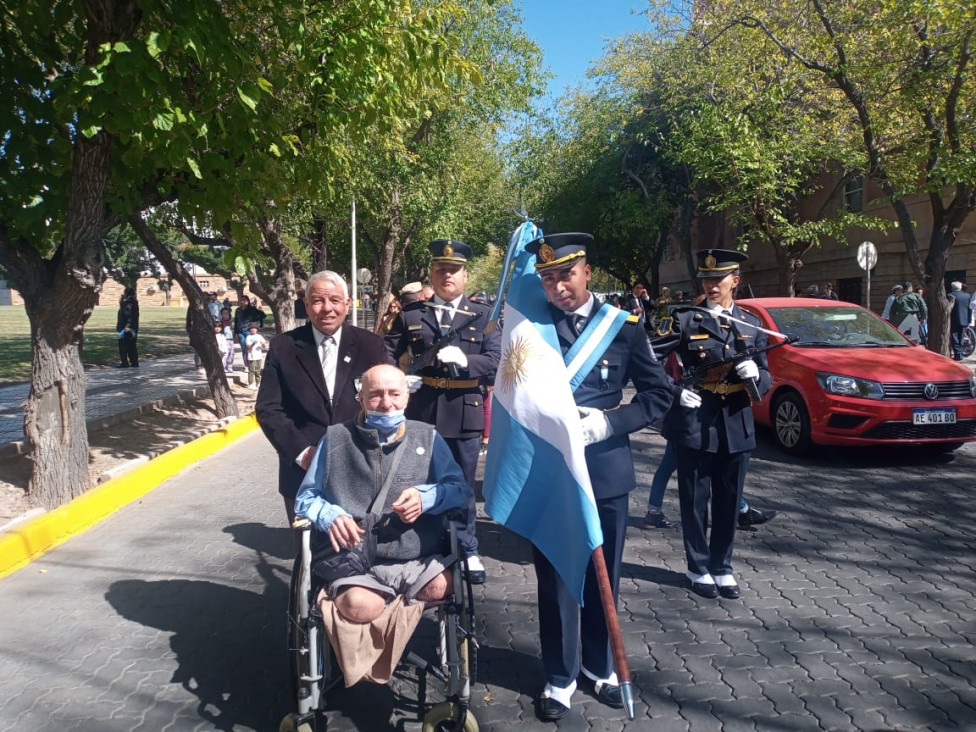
(901, 80)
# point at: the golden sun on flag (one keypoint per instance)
(512, 367)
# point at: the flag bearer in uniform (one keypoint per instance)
(575, 639)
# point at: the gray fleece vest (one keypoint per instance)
(356, 467)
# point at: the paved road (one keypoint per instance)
(858, 612)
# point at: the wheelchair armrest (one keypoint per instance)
(301, 523)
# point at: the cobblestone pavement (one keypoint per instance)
(857, 611)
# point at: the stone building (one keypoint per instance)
(833, 261)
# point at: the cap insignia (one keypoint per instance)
(546, 253)
(710, 261)
(448, 250)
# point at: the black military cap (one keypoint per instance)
(719, 262)
(558, 251)
(449, 250)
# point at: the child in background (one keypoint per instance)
(227, 326)
(256, 345)
(221, 341)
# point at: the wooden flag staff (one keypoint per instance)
(613, 630)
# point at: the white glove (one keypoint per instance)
(689, 399)
(596, 426)
(747, 369)
(453, 354)
(414, 383)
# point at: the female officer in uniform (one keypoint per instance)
(711, 422)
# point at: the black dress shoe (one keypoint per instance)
(729, 592)
(610, 695)
(549, 710)
(656, 520)
(754, 517)
(705, 589)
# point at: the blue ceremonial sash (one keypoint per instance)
(593, 343)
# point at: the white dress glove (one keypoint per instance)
(414, 382)
(747, 369)
(596, 426)
(453, 354)
(689, 399)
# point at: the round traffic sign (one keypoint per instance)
(867, 256)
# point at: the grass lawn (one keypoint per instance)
(161, 333)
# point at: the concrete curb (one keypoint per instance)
(30, 539)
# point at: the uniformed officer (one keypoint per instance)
(450, 395)
(711, 423)
(574, 638)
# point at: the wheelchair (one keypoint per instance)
(314, 669)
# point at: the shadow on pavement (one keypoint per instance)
(271, 541)
(228, 646)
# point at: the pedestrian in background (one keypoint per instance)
(958, 318)
(256, 345)
(245, 316)
(828, 292)
(213, 307)
(227, 328)
(301, 314)
(127, 325)
(896, 290)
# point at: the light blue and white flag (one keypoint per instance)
(536, 480)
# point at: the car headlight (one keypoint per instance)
(972, 384)
(851, 386)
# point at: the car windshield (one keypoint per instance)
(838, 326)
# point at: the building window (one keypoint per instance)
(854, 194)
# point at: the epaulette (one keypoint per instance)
(664, 326)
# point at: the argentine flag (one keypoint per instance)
(536, 480)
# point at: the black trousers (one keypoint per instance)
(710, 479)
(128, 355)
(569, 633)
(465, 452)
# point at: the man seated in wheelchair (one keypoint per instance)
(373, 493)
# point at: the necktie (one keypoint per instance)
(329, 363)
(576, 321)
(446, 317)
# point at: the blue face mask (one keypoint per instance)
(384, 421)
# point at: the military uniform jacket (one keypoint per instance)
(455, 412)
(699, 339)
(627, 359)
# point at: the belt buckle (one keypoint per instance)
(441, 383)
(722, 389)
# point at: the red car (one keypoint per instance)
(853, 379)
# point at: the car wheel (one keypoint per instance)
(791, 424)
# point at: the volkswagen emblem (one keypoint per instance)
(931, 391)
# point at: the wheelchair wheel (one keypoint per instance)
(441, 719)
(290, 723)
(296, 631)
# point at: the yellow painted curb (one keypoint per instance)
(25, 542)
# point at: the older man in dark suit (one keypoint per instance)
(575, 639)
(310, 379)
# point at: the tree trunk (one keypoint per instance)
(54, 414)
(280, 292)
(939, 306)
(202, 336)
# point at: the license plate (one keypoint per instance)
(934, 416)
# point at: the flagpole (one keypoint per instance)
(613, 630)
